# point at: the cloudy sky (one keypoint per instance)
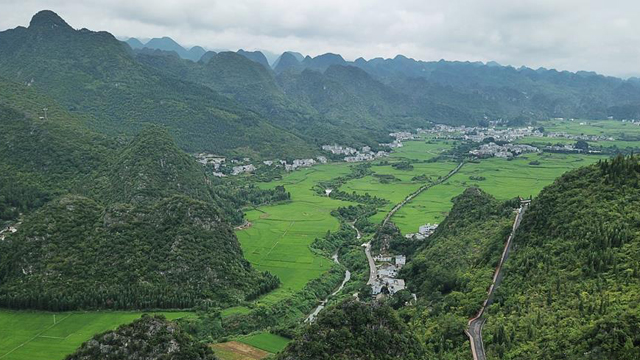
(598, 35)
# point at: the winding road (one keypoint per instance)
(474, 331)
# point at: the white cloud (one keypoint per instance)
(569, 34)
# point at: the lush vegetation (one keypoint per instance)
(451, 271)
(27, 335)
(354, 330)
(142, 230)
(94, 74)
(150, 337)
(571, 288)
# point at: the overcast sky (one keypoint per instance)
(602, 36)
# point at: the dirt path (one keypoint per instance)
(474, 331)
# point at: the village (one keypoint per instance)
(384, 279)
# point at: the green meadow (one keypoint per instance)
(617, 129)
(504, 179)
(27, 335)
(265, 341)
(279, 236)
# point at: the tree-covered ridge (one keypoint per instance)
(149, 338)
(572, 286)
(451, 272)
(256, 88)
(41, 158)
(94, 73)
(355, 330)
(75, 253)
(133, 226)
(152, 167)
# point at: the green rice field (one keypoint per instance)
(503, 179)
(27, 335)
(279, 237)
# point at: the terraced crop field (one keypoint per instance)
(31, 335)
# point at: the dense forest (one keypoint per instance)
(140, 224)
(572, 285)
(451, 271)
(150, 337)
(355, 330)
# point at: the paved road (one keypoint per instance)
(474, 332)
(372, 264)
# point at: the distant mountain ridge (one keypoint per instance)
(94, 74)
(168, 44)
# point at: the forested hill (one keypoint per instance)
(355, 330)
(95, 74)
(150, 338)
(571, 287)
(111, 226)
(451, 271)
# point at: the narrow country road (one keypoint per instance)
(474, 331)
(417, 192)
(372, 264)
(323, 303)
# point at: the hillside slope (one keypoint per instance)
(149, 338)
(451, 272)
(571, 287)
(142, 230)
(354, 330)
(94, 73)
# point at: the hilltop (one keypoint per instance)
(151, 337)
(354, 330)
(134, 226)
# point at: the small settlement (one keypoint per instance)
(386, 281)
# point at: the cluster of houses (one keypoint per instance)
(218, 163)
(478, 134)
(386, 281)
(424, 232)
(354, 155)
(399, 138)
(502, 151)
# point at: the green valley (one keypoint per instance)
(168, 202)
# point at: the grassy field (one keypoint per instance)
(415, 152)
(27, 335)
(265, 341)
(279, 237)
(503, 179)
(617, 129)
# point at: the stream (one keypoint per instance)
(347, 277)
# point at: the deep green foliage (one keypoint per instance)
(93, 73)
(135, 226)
(355, 330)
(74, 253)
(571, 289)
(150, 337)
(452, 270)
